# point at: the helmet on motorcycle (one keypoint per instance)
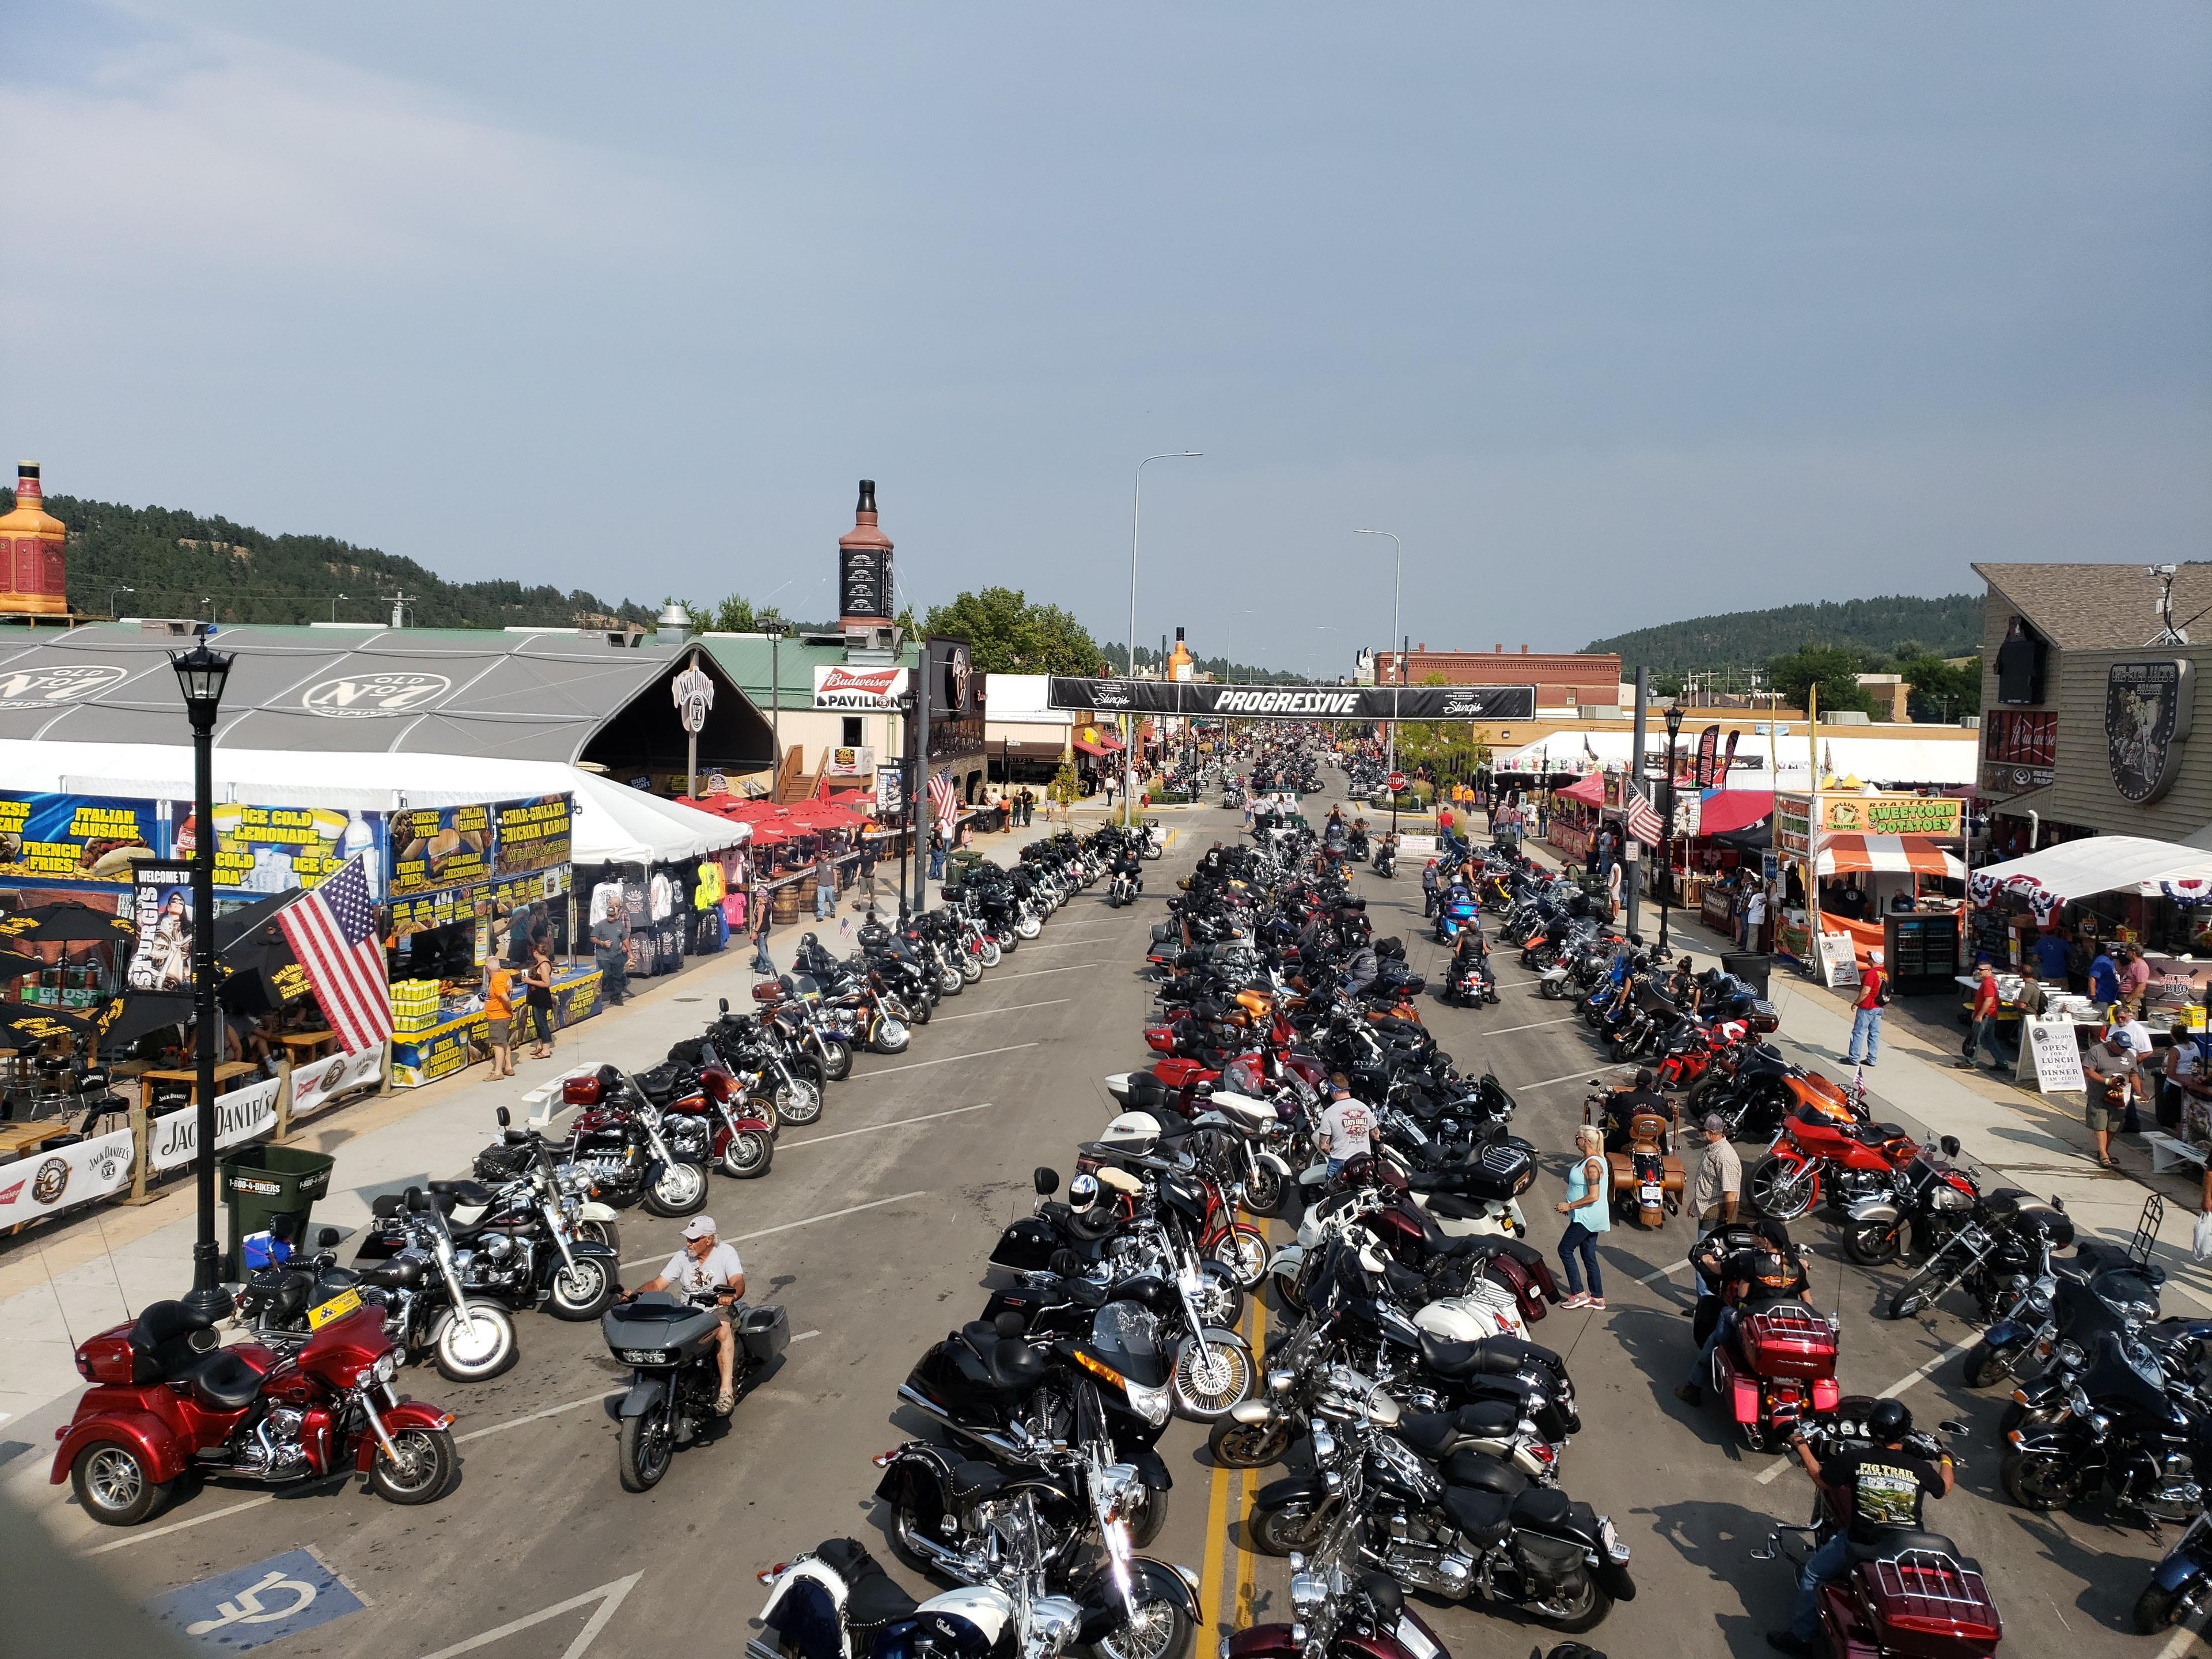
(1889, 1421)
(1082, 1193)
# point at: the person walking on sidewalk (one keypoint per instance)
(760, 904)
(2111, 1070)
(867, 876)
(825, 885)
(1754, 920)
(1866, 1015)
(1984, 1031)
(1589, 1210)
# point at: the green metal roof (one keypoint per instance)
(753, 660)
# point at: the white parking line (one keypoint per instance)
(803, 1335)
(1893, 1390)
(180, 1526)
(826, 1215)
(1069, 969)
(1012, 1008)
(533, 1417)
(1507, 1030)
(915, 1065)
(1569, 1077)
(900, 1123)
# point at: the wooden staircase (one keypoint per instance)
(792, 784)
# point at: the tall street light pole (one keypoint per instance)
(1129, 722)
(1665, 871)
(201, 674)
(1397, 652)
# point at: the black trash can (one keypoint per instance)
(1755, 968)
(263, 1183)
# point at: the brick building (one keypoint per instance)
(1562, 680)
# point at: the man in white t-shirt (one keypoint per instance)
(702, 1266)
(1754, 920)
(1347, 1129)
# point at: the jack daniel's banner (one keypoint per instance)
(1297, 702)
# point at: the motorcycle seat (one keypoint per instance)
(1012, 1364)
(1483, 1473)
(221, 1381)
(1874, 1134)
(1546, 1507)
(1452, 1208)
(1484, 1516)
(971, 1481)
(1449, 1358)
(462, 1192)
(1430, 1433)
(873, 1599)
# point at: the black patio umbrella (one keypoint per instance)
(65, 923)
(28, 1024)
(13, 964)
(122, 1022)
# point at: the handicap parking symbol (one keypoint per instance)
(241, 1609)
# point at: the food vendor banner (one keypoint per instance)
(441, 846)
(530, 834)
(1793, 824)
(48, 1180)
(1892, 815)
(75, 838)
(273, 849)
(161, 908)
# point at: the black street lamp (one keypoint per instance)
(1666, 846)
(201, 674)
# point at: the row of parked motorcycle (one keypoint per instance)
(1428, 1429)
(2112, 1401)
(438, 1276)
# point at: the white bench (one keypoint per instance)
(545, 1099)
(2166, 1152)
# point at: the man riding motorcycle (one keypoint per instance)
(1771, 1271)
(1879, 1489)
(703, 1266)
(1623, 1105)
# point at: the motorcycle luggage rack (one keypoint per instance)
(1789, 1324)
(2147, 1226)
(1935, 1587)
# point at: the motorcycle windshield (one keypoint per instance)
(1124, 1336)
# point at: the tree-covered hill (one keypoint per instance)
(1892, 627)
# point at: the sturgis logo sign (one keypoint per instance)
(2147, 706)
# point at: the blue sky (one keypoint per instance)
(1616, 314)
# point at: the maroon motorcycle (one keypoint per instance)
(165, 1399)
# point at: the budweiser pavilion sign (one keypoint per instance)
(858, 689)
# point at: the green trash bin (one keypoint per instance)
(263, 1183)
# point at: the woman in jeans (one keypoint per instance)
(537, 987)
(1589, 1210)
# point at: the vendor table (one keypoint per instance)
(462, 1038)
(304, 1046)
(224, 1071)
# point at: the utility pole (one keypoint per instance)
(1636, 779)
(919, 805)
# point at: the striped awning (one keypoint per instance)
(1916, 855)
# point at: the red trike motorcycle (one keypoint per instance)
(165, 1399)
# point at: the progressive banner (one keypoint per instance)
(1296, 703)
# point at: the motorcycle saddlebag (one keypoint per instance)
(106, 1357)
(1554, 1565)
(1501, 1169)
(1763, 1017)
(499, 1161)
(1026, 1245)
(766, 1332)
(580, 1091)
(1392, 946)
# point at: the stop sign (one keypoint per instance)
(1397, 783)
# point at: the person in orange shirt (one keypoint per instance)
(499, 1017)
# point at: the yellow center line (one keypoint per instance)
(1247, 1561)
(1217, 1522)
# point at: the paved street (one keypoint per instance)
(872, 1230)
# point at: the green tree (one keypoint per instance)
(1942, 690)
(1007, 635)
(1834, 669)
(1065, 787)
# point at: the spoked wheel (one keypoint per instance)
(1210, 1377)
(113, 1484)
(1248, 1445)
(1784, 1189)
(988, 954)
(1243, 1252)
(1220, 1298)
(1158, 1628)
(2037, 1480)
(425, 1467)
(1871, 1244)
(1298, 1525)
(799, 1101)
(643, 1449)
(1265, 1192)
(608, 1233)
(470, 1349)
(971, 970)
(836, 1060)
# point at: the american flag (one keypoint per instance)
(1644, 823)
(943, 799)
(332, 931)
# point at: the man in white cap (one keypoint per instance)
(701, 1266)
(1866, 1012)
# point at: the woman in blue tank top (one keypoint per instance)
(1589, 1210)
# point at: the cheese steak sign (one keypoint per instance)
(1297, 702)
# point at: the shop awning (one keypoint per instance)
(2099, 864)
(1590, 791)
(1730, 811)
(1103, 747)
(1916, 855)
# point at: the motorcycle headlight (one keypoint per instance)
(387, 1365)
(2039, 1302)
(1150, 1404)
(2068, 1354)
(2077, 1401)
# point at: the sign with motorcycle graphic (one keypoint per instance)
(320, 1082)
(241, 1115)
(1296, 703)
(45, 1182)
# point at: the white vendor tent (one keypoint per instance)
(613, 824)
(2099, 864)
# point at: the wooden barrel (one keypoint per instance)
(787, 902)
